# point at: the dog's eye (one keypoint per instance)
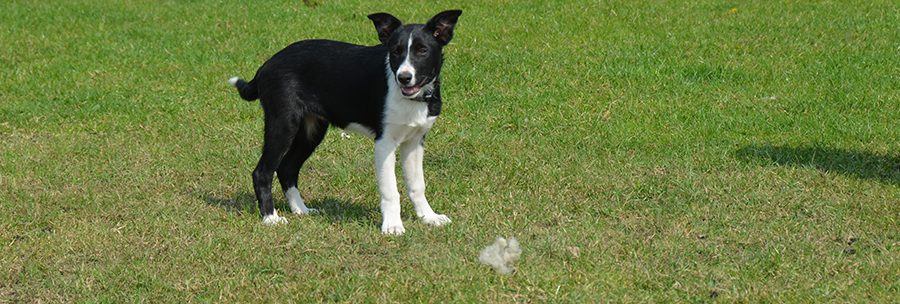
(395, 53)
(423, 51)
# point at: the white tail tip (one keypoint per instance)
(233, 81)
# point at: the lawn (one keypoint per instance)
(649, 151)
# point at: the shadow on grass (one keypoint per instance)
(240, 204)
(332, 209)
(337, 211)
(859, 164)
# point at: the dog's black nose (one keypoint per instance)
(404, 78)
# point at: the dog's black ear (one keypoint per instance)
(385, 24)
(442, 25)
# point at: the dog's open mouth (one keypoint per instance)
(409, 91)
(412, 90)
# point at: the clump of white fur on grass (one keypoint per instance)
(501, 255)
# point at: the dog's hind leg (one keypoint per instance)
(280, 129)
(311, 132)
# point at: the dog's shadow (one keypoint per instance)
(344, 211)
(859, 164)
(244, 203)
(331, 209)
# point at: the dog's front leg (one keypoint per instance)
(411, 155)
(385, 162)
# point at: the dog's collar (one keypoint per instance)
(428, 96)
(424, 98)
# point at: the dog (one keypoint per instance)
(388, 92)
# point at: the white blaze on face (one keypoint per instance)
(406, 66)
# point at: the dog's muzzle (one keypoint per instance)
(407, 88)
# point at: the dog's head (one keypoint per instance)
(414, 50)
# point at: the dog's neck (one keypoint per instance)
(428, 96)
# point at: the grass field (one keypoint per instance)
(640, 151)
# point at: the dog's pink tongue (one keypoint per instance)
(409, 91)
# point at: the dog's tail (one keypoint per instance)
(248, 90)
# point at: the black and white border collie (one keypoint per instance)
(389, 92)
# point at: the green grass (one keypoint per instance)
(693, 152)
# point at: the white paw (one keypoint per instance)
(274, 219)
(435, 219)
(302, 211)
(393, 230)
(296, 202)
(392, 227)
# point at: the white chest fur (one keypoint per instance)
(402, 111)
(405, 119)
